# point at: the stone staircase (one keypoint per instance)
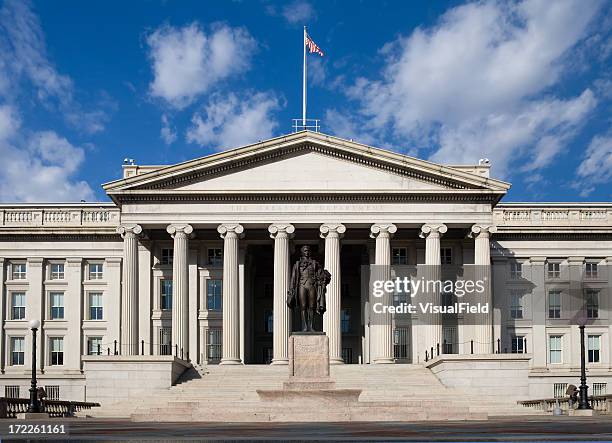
(389, 393)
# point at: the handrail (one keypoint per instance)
(598, 403)
(10, 407)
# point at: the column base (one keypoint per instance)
(280, 361)
(336, 361)
(384, 361)
(230, 361)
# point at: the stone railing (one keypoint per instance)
(552, 215)
(11, 407)
(59, 216)
(602, 403)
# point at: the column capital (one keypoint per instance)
(326, 228)
(129, 229)
(382, 228)
(433, 229)
(280, 228)
(482, 230)
(230, 228)
(178, 228)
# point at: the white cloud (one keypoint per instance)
(23, 56)
(229, 121)
(478, 83)
(298, 12)
(187, 61)
(39, 167)
(168, 133)
(596, 167)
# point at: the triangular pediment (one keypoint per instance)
(305, 162)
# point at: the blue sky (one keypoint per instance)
(84, 85)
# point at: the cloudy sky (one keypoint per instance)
(526, 84)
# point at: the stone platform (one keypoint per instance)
(309, 379)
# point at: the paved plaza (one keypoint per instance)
(503, 429)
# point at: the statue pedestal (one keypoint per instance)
(309, 379)
(309, 361)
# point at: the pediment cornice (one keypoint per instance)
(225, 163)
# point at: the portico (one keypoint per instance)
(300, 189)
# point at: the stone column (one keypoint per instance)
(230, 233)
(180, 288)
(432, 336)
(281, 233)
(483, 326)
(129, 297)
(332, 232)
(382, 323)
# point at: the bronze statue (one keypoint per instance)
(307, 287)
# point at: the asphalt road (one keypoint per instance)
(506, 429)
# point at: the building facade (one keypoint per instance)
(193, 260)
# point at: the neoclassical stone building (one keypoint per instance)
(193, 260)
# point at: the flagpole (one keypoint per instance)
(304, 83)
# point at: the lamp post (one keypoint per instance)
(34, 404)
(583, 401)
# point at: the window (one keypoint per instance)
(268, 321)
(446, 256)
(516, 305)
(57, 351)
(57, 271)
(213, 345)
(96, 311)
(400, 343)
(554, 304)
(268, 354)
(449, 340)
(517, 344)
(590, 270)
(516, 270)
(554, 349)
(345, 321)
(215, 256)
(559, 390)
(18, 305)
(592, 303)
(167, 256)
(399, 298)
(18, 271)
(53, 392)
(347, 355)
(17, 351)
(213, 295)
(57, 305)
(165, 341)
(600, 388)
(94, 345)
(11, 391)
(554, 270)
(593, 347)
(399, 256)
(95, 271)
(166, 294)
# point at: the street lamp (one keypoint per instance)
(34, 404)
(583, 401)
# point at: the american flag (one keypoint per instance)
(312, 46)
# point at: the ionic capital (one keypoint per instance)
(432, 230)
(281, 228)
(482, 230)
(385, 229)
(129, 230)
(178, 229)
(229, 229)
(336, 229)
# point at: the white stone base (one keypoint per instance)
(487, 374)
(116, 378)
